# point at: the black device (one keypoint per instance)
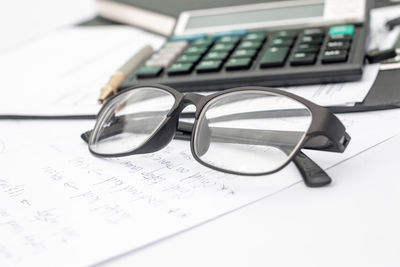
(272, 44)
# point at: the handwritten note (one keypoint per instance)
(62, 206)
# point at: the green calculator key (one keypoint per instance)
(282, 42)
(222, 47)
(229, 39)
(274, 57)
(196, 50)
(188, 58)
(238, 64)
(288, 34)
(342, 29)
(216, 56)
(179, 68)
(148, 72)
(255, 36)
(203, 42)
(208, 66)
(244, 53)
(249, 45)
(301, 58)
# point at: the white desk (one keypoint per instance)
(353, 222)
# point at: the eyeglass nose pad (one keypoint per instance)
(162, 137)
(203, 138)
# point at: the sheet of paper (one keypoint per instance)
(23, 21)
(63, 73)
(339, 94)
(62, 206)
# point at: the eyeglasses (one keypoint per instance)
(246, 131)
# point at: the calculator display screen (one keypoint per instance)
(255, 16)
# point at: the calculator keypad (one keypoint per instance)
(248, 50)
(238, 64)
(274, 57)
(209, 66)
(338, 45)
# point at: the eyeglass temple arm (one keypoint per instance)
(255, 137)
(319, 140)
(312, 174)
(258, 137)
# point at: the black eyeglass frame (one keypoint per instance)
(326, 132)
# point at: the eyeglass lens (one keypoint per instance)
(130, 120)
(250, 132)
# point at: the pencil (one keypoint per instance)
(120, 75)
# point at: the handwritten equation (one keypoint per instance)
(59, 200)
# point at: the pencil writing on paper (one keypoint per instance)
(64, 200)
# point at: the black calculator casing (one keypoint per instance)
(286, 75)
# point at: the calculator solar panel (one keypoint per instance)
(241, 58)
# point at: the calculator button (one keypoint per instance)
(170, 50)
(229, 40)
(341, 37)
(162, 59)
(209, 66)
(342, 30)
(334, 56)
(316, 32)
(163, 56)
(289, 34)
(216, 55)
(255, 36)
(274, 57)
(301, 58)
(180, 45)
(337, 45)
(158, 63)
(307, 48)
(203, 42)
(221, 47)
(244, 53)
(311, 40)
(188, 58)
(250, 45)
(238, 64)
(196, 50)
(148, 72)
(280, 42)
(180, 68)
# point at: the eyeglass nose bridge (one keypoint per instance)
(197, 100)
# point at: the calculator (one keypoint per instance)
(276, 44)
